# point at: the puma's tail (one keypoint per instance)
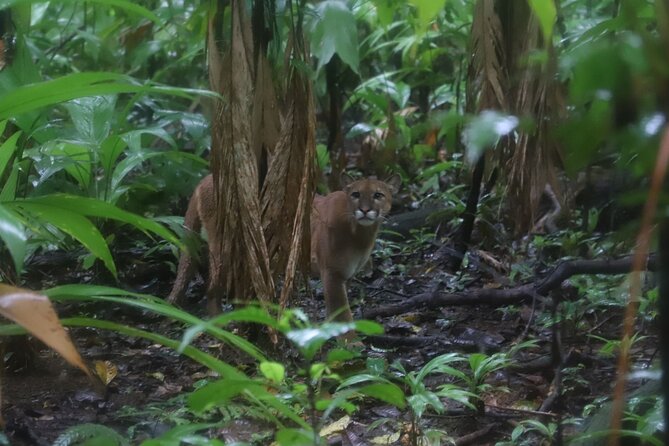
(186, 268)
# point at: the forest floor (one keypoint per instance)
(42, 396)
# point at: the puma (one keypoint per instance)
(200, 213)
(344, 225)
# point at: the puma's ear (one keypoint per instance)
(394, 182)
(345, 179)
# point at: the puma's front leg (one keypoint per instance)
(336, 301)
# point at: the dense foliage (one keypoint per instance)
(105, 116)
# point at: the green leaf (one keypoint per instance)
(219, 392)
(368, 327)
(153, 304)
(385, 9)
(90, 434)
(333, 32)
(386, 392)
(35, 96)
(295, 437)
(310, 340)
(484, 131)
(131, 7)
(438, 365)
(97, 208)
(110, 149)
(77, 161)
(427, 11)
(547, 14)
(7, 148)
(14, 236)
(9, 190)
(72, 223)
(340, 355)
(92, 117)
(273, 371)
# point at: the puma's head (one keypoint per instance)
(369, 199)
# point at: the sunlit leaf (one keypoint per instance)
(310, 340)
(273, 371)
(484, 131)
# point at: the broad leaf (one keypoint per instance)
(72, 223)
(14, 236)
(128, 6)
(547, 14)
(35, 96)
(386, 392)
(427, 11)
(333, 32)
(96, 208)
(92, 117)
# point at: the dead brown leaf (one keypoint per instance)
(35, 313)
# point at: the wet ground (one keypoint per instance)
(42, 396)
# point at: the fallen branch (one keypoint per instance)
(389, 341)
(475, 437)
(509, 296)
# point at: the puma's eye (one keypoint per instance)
(355, 194)
(378, 195)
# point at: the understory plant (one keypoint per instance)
(422, 399)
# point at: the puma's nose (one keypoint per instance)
(364, 210)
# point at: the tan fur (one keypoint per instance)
(341, 241)
(201, 212)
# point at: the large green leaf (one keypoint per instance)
(14, 236)
(547, 14)
(128, 6)
(97, 208)
(334, 31)
(427, 11)
(155, 305)
(72, 223)
(34, 96)
(92, 117)
(386, 392)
